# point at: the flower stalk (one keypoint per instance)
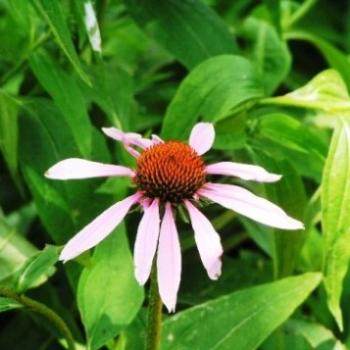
(154, 322)
(43, 310)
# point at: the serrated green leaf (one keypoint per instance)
(53, 14)
(108, 294)
(335, 207)
(211, 91)
(189, 30)
(234, 321)
(37, 269)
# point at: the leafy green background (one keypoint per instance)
(274, 78)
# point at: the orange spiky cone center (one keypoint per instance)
(171, 171)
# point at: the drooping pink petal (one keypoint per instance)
(243, 171)
(146, 242)
(169, 260)
(207, 240)
(98, 229)
(202, 137)
(127, 138)
(248, 204)
(75, 168)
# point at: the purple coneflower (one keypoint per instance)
(168, 174)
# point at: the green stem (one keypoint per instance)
(303, 9)
(43, 310)
(154, 314)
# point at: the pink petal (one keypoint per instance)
(98, 229)
(202, 137)
(207, 240)
(127, 138)
(169, 260)
(156, 139)
(146, 242)
(244, 171)
(75, 168)
(248, 204)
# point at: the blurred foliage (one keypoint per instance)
(274, 78)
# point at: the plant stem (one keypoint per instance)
(43, 310)
(303, 9)
(154, 314)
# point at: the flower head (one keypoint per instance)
(169, 174)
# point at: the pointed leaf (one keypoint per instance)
(241, 320)
(335, 208)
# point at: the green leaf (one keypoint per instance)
(212, 91)
(67, 96)
(189, 30)
(275, 12)
(53, 13)
(287, 137)
(37, 269)
(268, 51)
(61, 205)
(108, 294)
(234, 321)
(326, 92)
(7, 304)
(335, 206)
(9, 131)
(289, 194)
(316, 334)
(15, 250)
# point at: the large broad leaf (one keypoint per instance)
(268, 51)
(189, 30)
(335, 205)
(53, 13)
(275, 12)
(241, 320)
(67, 96)
(108, 294)
(211, 91)
(9, 131)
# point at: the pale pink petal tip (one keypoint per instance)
(98, 229)
(202, 137)
(208, 241)
(243, 171)
(146, 242)
(75, 168)
(248, 204)
(127, 138)
(169, 260)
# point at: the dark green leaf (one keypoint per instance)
(190, 30)
(67, 96)
(53, 14)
